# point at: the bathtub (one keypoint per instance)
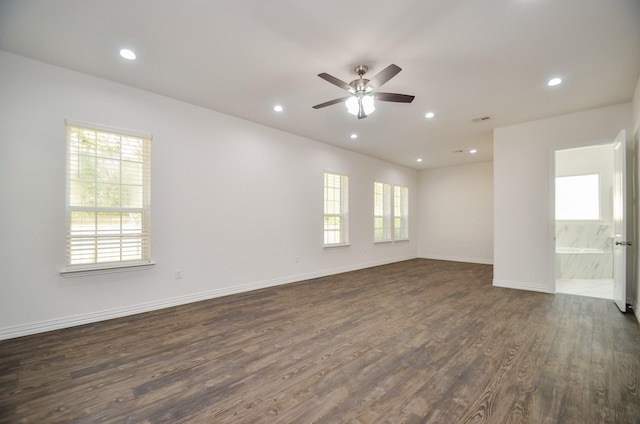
(581, 250)
(583, 263)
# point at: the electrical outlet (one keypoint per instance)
(297, 259)
(178, 274)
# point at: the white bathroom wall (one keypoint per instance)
(523, 177)
(456, 213)
(235, 205)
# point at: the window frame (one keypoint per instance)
(336, 196)
(134, 241)
(395, 203)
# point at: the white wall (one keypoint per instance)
(456, 213)
(233, 203)
(523, 174)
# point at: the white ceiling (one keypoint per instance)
(461, 59)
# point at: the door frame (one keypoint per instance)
(621, 253)
(552, 199)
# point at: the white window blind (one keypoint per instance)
(336, 209)
(382, 220)
(108, 198)
(400, 213)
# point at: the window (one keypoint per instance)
(108, 198)
(336, 209)
(390, 213)
(577, 197)
(382, 220)
(400, 213)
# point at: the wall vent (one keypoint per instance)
(480, 119)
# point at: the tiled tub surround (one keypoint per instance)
(576, 234)
(583, 250)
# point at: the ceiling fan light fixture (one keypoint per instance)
(367, 104)
(360, 106)
(352, 105)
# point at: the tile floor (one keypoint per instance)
(591, 288)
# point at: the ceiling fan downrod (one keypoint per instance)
(360, 84)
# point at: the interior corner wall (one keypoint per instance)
(636, 144)
(523, 174)
(236, 206)
(455, 207)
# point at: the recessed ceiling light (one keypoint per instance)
(429, 115)
(278, 108)
(554, 81)
(354, 135)
(419, 160)
(127, 54)
(472, 151)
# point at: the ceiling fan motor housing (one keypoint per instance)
(359, 85)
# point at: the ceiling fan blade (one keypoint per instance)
(335, 81)
(394, 97)
(383, 76)
(330, 102)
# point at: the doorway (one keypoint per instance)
(584, 211)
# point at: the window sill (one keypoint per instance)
(105, 269)
(583, 221)
(336, 245)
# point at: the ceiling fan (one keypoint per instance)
(361, 100)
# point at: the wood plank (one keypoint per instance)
(417, 341)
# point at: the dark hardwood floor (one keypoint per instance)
(420, 341)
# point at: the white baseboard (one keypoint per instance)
(72, 321)
(486, 261)
(523, 285)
